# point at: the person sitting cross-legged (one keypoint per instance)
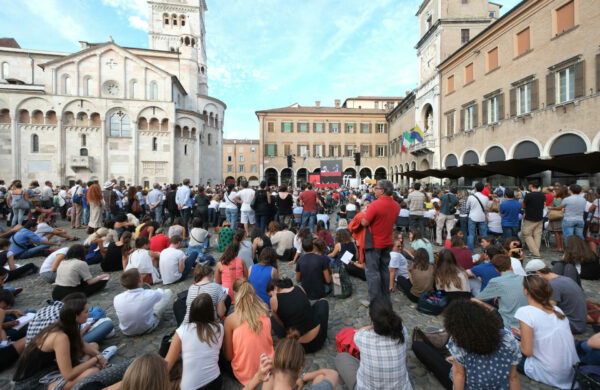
(139, 310)
(174, 264)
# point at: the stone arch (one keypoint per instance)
(578, 142)
(525, 147)
(24, 116)
(66, 84)
(154, 125)
(142, 123)
(37, 117)
(118, 122)
(177, 131)
(166, 18)
(350, 172)
(413, 166)
(286, 176)
(95, 119)
(271, 175)
(194, 132)
(380, 173)
(185, 132)
(151, 111)
(68, 118)
(424, 165)
(182, 20)
(450, 161)
(406, 167)
(82, 119)
(366, 171)
(88, 85)
(174, 19)
(494, 153)
(470, 156)
(5, 115)
(164, 124)
(51, 117)
(425, 112)
(79, 105)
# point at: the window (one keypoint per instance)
(450, 84)
(390, 105)
(270, 150)
(253, 158)
(380, 150)
(376, 104)
(565, 84)
(5, 69)
(334, 151)
(492, 59)
(287, 127)
(429, 21)
(229, 149)
(66, 85)
(229, 158)
(318, 150)
(87, 86)
(271, 127)
(302, 127)
(492, 109)
(174, 20)
(252, 150)
(349, 150)
(464, 35)
(83, 140)
(364, 127)
(524, 99)
(492, 14)
(523, 42)
(318, 127)
(334, 127)
(35, 143)
(252, 168)
(119, 125)
(365, 150)
(229, 168)
(303, 150)
(241, 158)
(565, 17)
(185, 150)
(349, 127)
(381, 127)
(241, 168)
(166, 18)
(209, 139)
(469, 73)
(153, 91)
(182, 20)
(469, 117)
(450, 123)
(241, 150)
(132, 88)
(83, 152)
(154, 144)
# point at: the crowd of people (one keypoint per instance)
(506, 309)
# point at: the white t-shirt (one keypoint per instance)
(229, 200)
(399, 262)
(213, 204)
(245, 253)
(475, 212)
(517, 266)
(169, 265)
(200, 361)
(197, 236)
(135, 309)
(494, 222)
(554, 351)
(430, 214)
(246, 195)
(324, 218)
(49, 261)
(350, 207)
(141, 260)
(43, 228)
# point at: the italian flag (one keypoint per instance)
(406, 141)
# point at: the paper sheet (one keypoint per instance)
(346, 257)
(24, 320)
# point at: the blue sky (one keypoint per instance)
(261, 53)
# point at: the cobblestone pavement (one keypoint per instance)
(343, 313)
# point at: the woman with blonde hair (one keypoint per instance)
(95, 201)
(494, 220)
(247, 332)
(148, 372)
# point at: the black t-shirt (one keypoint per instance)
(113, 260)
(311, 267)
(533, 203)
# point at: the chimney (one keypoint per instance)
(317, 104)
(337, 103)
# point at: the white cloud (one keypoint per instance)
(52, 13)
(139, 23)
(139, 7)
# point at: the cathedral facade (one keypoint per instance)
(138, 115)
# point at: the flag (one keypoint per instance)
(402, 144)
(405, 142)
(408, 137)
(417, 134)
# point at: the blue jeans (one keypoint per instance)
(190, 262)
(464, 225)
(232, 216)
(18, 215)
(212, 216)
(158, 212)
(310, 218)
(377, 271)
(262, 221)
(587, 354)
(510, 231)
(31, 252)
(99, 333)
(85, 216)
(571, 228)
(472, 232)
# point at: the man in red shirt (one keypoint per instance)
(380, 218)
(309, 201)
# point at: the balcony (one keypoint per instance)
(425, 147)
(82, 162)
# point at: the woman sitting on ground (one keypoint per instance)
(62, 342)
(462, 253)
(259, 241)
(263, 272)
(177, 229)
(149, 229)
(95, 246)
(117, 254)
(578, 262)
(122, 224)
(484, 355)
(198, 342)
(148, 372)
(44, 230)
(420, 276)
(291, 310)
(418, 241)
(547, 343)
(344, 243)
(204, 283)
(381, 345)
(342, 224)
(324, 234)
(247, 333)
(225, 236)
(73, 275)
(286, 366)
(229, 268)
(450, 277)
(199, 237)
(300, 236)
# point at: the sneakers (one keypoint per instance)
(17, 291)
(109, 352)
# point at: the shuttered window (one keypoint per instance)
(302, 127)
(492, 59)
(450, 84)
(565, 84)
(523, 42)
(364, 151)
(380, 150)
(469, 73)
(364, 127)
(334, 127)
(450, 124)
(287, 127)
(470, 113)
(270, 127)
(271, 150)
(318, 127)
(565, 17)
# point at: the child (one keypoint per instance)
(398, 264)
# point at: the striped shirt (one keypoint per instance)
(213, 289)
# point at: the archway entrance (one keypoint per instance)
(301, 176)
(350, 172)
(366, 172)
(271, 176)
(380, 174)
(286, 177)
(229, 179)
(241, 179)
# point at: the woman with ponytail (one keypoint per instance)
(229, 268)
(283, 372)
(382, 346)
(247, 332)
(546, 340)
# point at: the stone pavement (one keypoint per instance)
(343, 313)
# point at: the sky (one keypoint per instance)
(262, 54)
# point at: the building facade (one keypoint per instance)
(241, 159)
(107, 111)
(312, 134)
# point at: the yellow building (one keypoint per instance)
(241, 158)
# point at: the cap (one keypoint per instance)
(534, 265)
(108, 185)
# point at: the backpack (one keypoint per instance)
(76, 198)
(344, 342)
(499, 192)
(431, 302)
(342, 285)
(135, 206)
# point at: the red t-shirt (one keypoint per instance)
(159, 242)
(463, 256)
(549, 199)
(381, 215)
(335, 196)
(486, 191)
(309, 200)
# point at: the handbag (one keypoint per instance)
(342, 285)
(555, 215)
(165, 344)
(432, 303)
(344, 342)
(436, 339)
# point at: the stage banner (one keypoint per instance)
(331, 173)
